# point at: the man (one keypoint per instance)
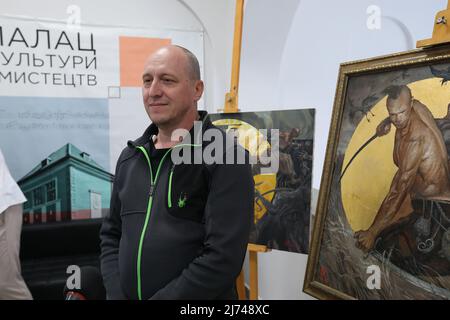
(12, 286)
(414, 210)
(175, 231)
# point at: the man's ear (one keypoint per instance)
(199, 87)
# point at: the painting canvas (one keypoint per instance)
(282, 191)
(382, 225)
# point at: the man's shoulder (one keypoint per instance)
(418, 130)
(126, 154)
(130, 148)
(421, 133)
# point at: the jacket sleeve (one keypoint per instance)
(228, 219)
(110, 234)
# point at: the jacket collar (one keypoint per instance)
(153, 130)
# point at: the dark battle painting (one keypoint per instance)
(282, 191)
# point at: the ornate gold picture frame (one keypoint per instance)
(382, 225)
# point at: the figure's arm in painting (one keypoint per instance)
(384, 127)
(400, 187)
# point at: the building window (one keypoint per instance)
(26, 218)
(38, 196)
(51, 213)
(51, 191)
(37, 216)
(96, 204)
(27, 204)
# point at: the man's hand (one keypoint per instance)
(365, 239)
(384, 127)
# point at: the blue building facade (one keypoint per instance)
(67, 185)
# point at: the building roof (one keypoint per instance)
(66, 152)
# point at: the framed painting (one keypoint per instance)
(382, 225)
(282, 184)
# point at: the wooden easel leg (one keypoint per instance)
(253, 259)
(231, 98)
(240, 286)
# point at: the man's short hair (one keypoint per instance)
(393, 92)
(193, 65)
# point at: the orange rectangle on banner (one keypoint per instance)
(133, 54)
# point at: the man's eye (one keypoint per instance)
(167, 80)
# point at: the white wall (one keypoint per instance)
(290, 59)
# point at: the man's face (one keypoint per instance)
(400, 110)
(168, 91)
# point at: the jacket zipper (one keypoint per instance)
(147, 216)
(169, 192)
(149, 205)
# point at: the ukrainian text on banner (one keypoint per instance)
(70, 98)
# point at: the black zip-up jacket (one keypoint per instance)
(181, 234)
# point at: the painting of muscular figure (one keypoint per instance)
(382, 228)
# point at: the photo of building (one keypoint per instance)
(67, 185)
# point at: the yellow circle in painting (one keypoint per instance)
(248, 136)
(368, 178)
(264, 183)
(256, 144)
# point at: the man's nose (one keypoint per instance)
(155, 89)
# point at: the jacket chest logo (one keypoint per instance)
(182, 200)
